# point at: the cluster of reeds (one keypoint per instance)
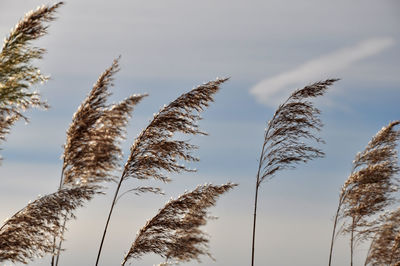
(155, 151)
(92, 157)
(367, 194)
(385, 245)
(29, 232)
(92, 150)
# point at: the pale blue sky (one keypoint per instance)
(268, 48)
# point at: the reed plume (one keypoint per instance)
(29, 233)
(369, 188)
(18, 74)
(385, 246)
(92, 150)
(174, 232)
(154, 152)
(293, 122)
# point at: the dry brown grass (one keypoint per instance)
(92, 150)
(174, 232)
(29, 233)
(155, 152)
(369, 189)
(18, 74)
(92, 153)
(385, 246)
(294, 122)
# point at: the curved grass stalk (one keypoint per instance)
(174, 232)
(18, 74)
(283, 146)
(155, 151)
(28, 234)
(92, 150)
(369, 188)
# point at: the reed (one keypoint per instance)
(293, 122)
(155, 152)
(174, 232)
(369, 189)
(92, 150)
(29, 233)
(18, 74)
(385, 246)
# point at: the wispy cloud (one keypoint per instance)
(271, 90)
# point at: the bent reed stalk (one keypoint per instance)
(174, 232)
(283, 146)
(155, 150)
(18, 74)
(92, 150)
(369, 189)
(385, 246)
(29, 233)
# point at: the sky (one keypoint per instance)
(268, 48)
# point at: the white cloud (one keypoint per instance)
(272, 90)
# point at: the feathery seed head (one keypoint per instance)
(154, 152)
(369, 188)
(17, 72)
(29, 233)
(174, 232)
(385, 247)
(92, 150)
(293, 122)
